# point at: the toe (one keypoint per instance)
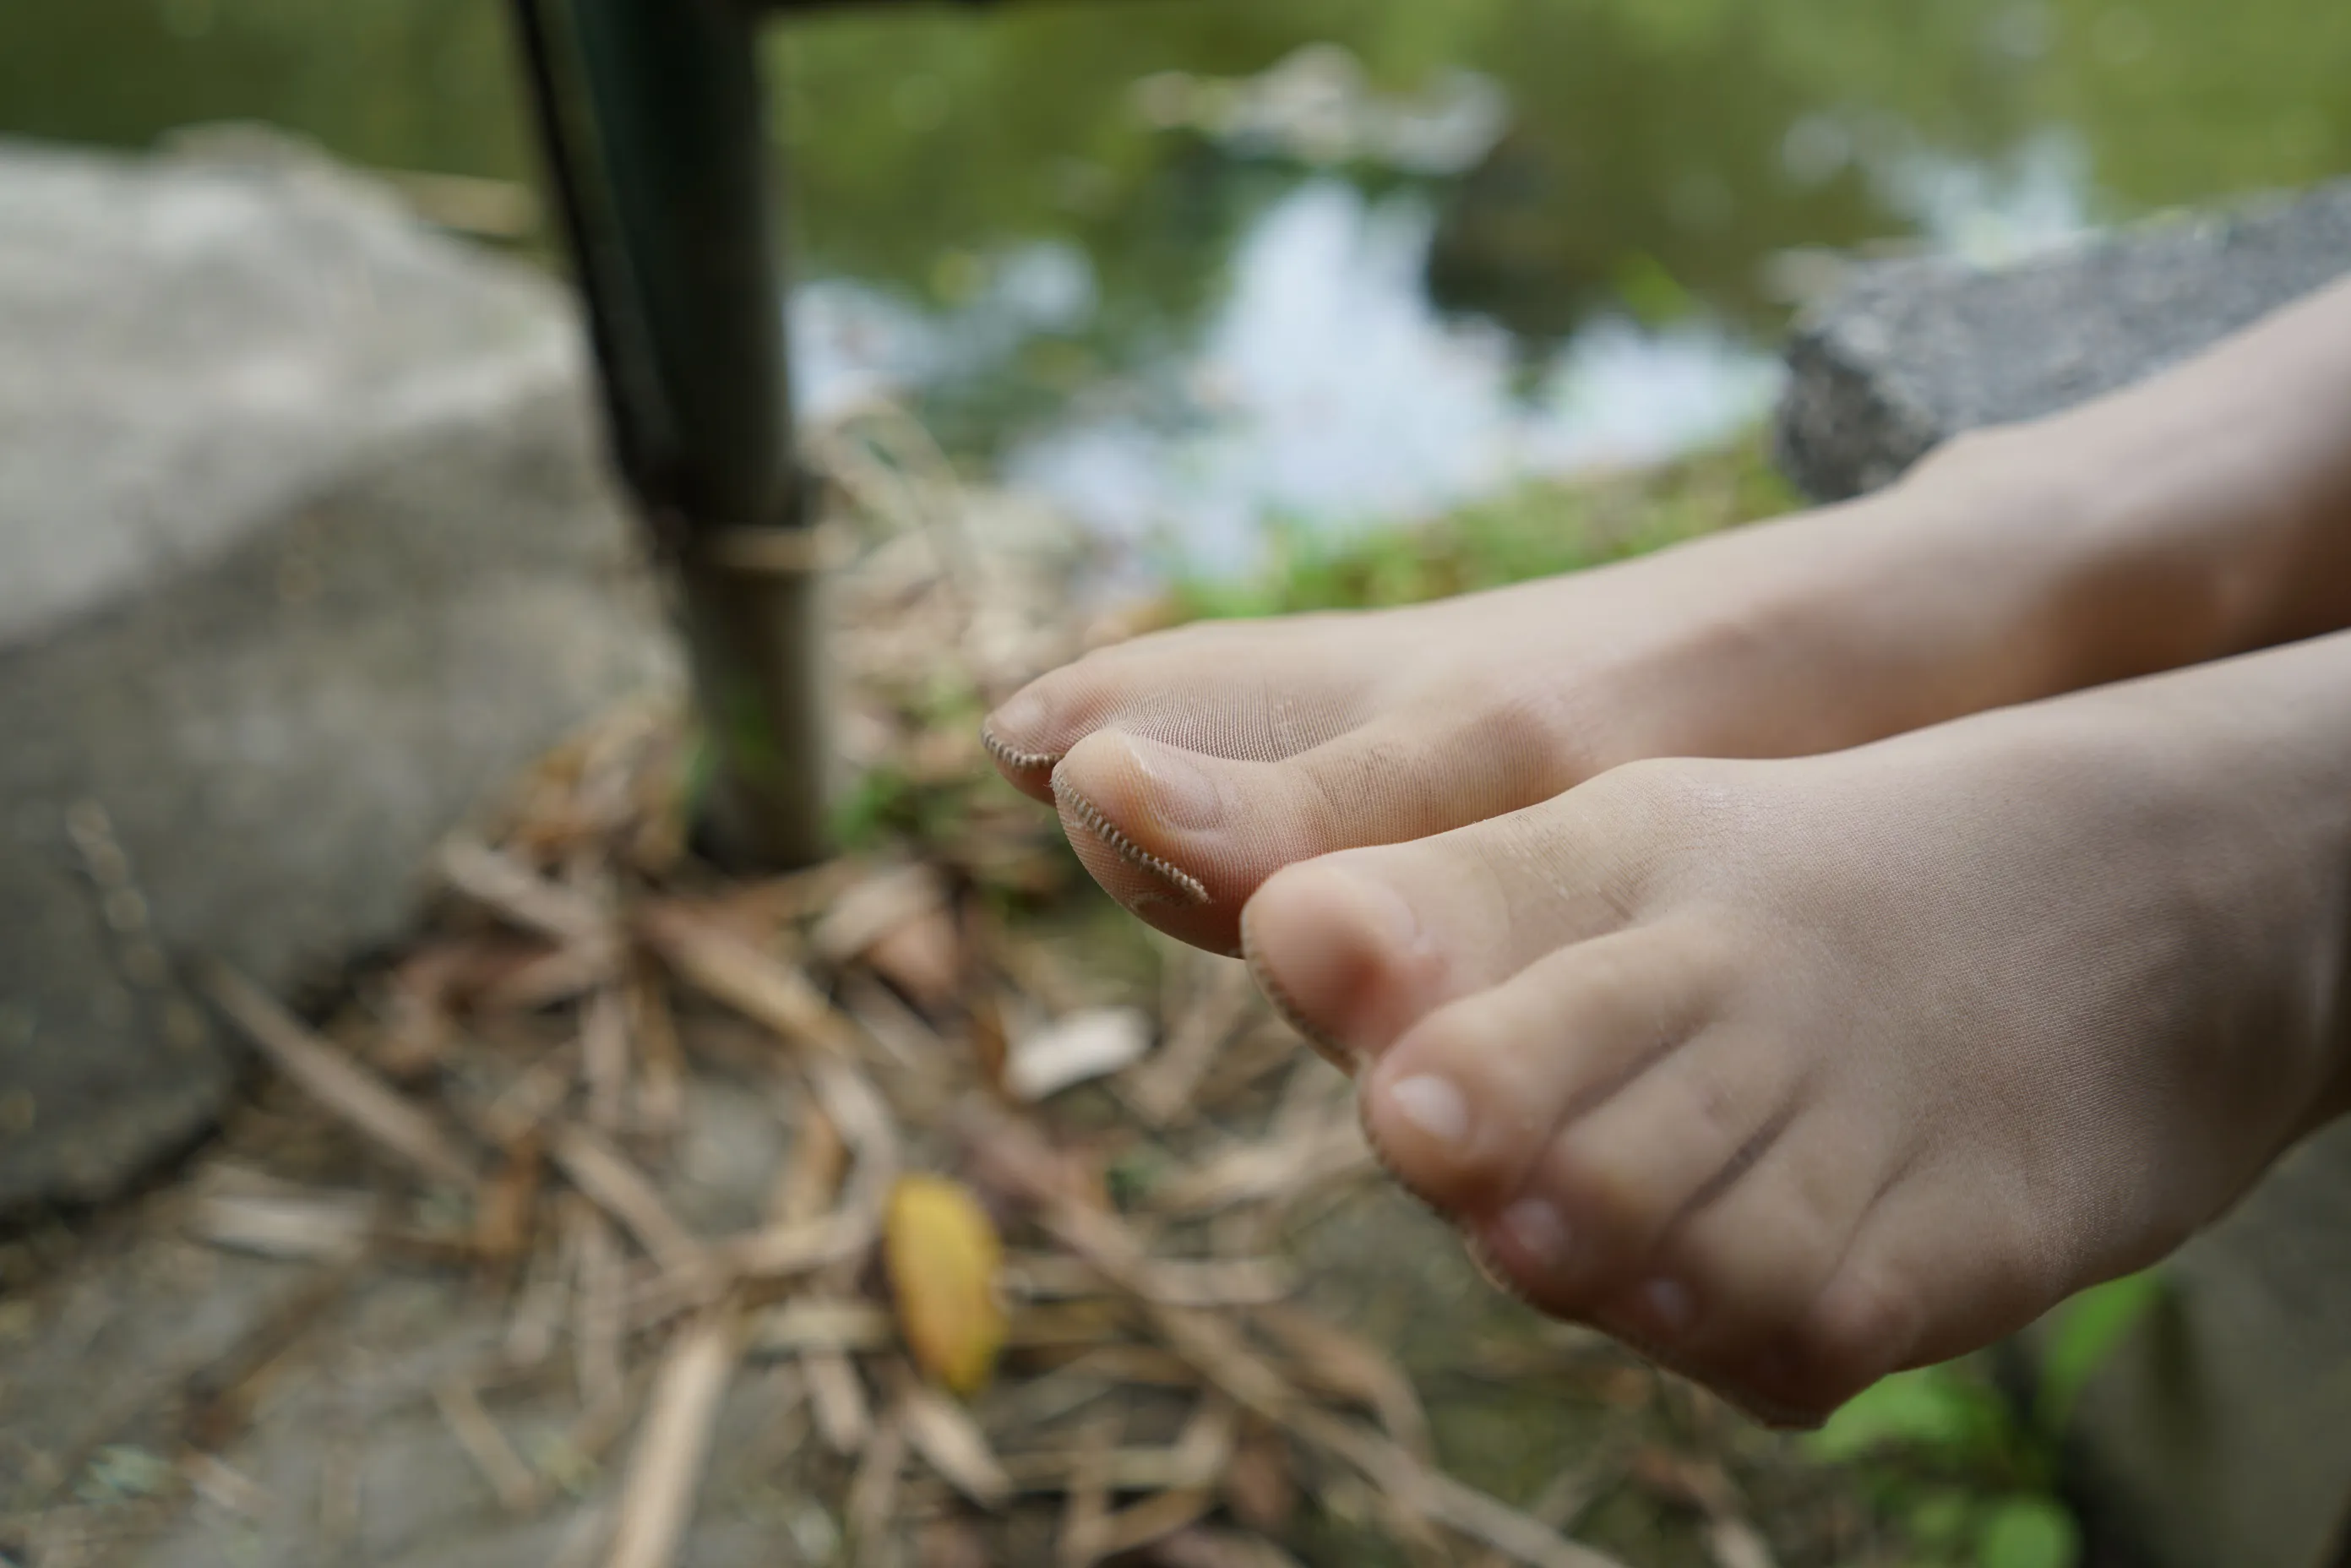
(1357, 947)
(1463, 1105)
(1136, 812)
(1868, 1319)
(1264, 689)
(1735, 1278)
(1588, 1222)
(1226, 824)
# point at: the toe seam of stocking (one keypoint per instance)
(1329, 1050)
(1012, 756)
(1095, 822)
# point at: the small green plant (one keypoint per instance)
(1970, 1479)
(1540, 529)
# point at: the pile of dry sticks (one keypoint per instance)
(1011, 1346)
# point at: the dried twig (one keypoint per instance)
(1569, 1492)
(523, 1105)
(952, 1444)
(873, 1491)
(1328, 1358)
(1252, 1173)
(658, 1500)
(1458, 1506)
(844, 1417)
(515, 893)
(600, 1318)
(507, 1205)
(1199, 1548)
(335, 1082)
(1085, 1513)
(661, 1092)
(809, 1324)
(783, 1251)
(763, 989)
(1162, 1090)
(604, 1057)
(538, 1307)
(224, 1486)
(1172, 1281)
(622, 1191)
(1149, 1521)
(515, 1483)
(321, 1226)
(870, 909)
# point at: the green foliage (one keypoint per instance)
(1538, 530)
(1644, 166)
(2086, 1331)
(2027, 1532)
(1970, 1477)
(1931, 1410)
(881, 805)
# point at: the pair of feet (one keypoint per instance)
(1791, 1071)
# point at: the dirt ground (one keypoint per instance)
(914, 1209)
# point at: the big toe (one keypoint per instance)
(1185, 837)
(1357, 947)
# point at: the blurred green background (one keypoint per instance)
(1175, 329)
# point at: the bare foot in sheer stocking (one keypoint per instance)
(1191, 765)
(2200, 514)
(1797, 1072)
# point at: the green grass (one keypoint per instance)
(1539, 529)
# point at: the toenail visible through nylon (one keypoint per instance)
(1384, 907)
(1091, 817)
(1435, 1106)
(1536, 1228)
(1181, 794)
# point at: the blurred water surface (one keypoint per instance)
(1186, 265)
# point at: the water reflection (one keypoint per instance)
(1327, 387)
(1102, 248)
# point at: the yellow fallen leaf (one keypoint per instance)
(944, 1254)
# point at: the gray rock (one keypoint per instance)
(1910, 354)
(302, 547)
(2222, 1431)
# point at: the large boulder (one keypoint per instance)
(303, 546)
(2221, 1433)
(1909, 353)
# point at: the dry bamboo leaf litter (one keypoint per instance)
(1147, 1220)
(510, 889)
(873, 1499)
(731, 970)
(844, 1417)
(513, 1482)
(658, 1498)
(1075, 1049)
(225, 1487)
(325, 1227)
(339, 1083)
(625, 1193)
(951, 1443)
(808, 1323)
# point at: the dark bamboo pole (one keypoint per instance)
(651, 120)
